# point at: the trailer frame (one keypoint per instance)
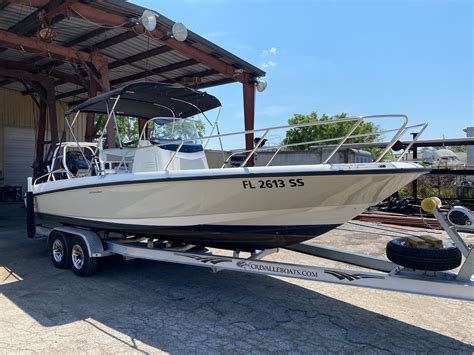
(384, 274)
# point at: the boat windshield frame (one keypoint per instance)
(170, 100)
(146, 127)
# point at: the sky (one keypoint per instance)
(358, 57)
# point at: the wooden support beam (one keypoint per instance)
(141, 125)
(8, 64)
(47, 104)
(156, 71)
(249, 117)
(118, 63)
(212, 62)
(53, 120)
(30, 69)
(23, 75)
(68, 78)
(31, 92)
(50, 13)
(71, 43)
(28, 44)
(202, 74)
(104, 82)
(56, 10)
(30, 23)
(90, 118)
(70, 93)
(215, 83)
(99, 16)
(110, 19)
(40, 133)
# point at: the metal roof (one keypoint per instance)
(124, 54)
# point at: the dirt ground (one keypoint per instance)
(142, 306)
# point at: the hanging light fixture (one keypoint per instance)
(179, 32)
(148, 20)
(260, 84)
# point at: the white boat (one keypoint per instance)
(164, 189)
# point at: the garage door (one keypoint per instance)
(19, 154)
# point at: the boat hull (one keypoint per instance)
(248, 208)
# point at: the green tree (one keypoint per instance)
(326, 131)
(179, 129)
(128, 127)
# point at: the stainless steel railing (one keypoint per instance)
(278, 148)
(399, 132)
(357, 121)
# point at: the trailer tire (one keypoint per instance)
(59, 250)
(446, 258)
(81, 262)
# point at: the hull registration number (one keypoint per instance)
(272, 183)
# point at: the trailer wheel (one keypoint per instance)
(81, 262)
(446, 258)
(59, 250)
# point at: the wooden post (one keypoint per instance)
(53, 119)
(40, 133)
(90, 123)
(101, 64)
(141, 125)
(249, 117)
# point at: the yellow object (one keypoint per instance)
(430, 204)
(424, 242)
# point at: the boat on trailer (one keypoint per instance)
(160, 200)
(164, 188)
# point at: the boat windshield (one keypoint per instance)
(169, 129)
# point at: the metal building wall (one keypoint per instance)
(20, 111)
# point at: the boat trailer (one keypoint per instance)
(80, 249)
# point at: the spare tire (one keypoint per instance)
(446, 258)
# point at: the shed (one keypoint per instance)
(54, 54)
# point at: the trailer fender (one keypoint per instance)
(92, 240)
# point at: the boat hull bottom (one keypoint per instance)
(246, 238)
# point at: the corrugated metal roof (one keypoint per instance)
(13, 14)
(72, 28)
(133, 9)
(68, 30)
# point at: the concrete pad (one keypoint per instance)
(151, 307)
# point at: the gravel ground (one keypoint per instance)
(151, 307)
